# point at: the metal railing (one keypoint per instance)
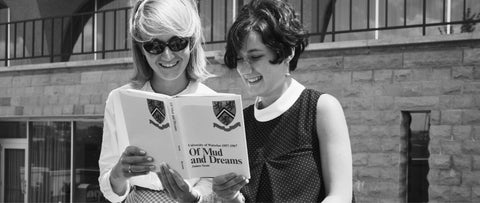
(104, 34)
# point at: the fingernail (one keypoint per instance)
(152, 167)
(142, 152)
(171, 170)
(150, 159)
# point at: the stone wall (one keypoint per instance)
(374, 80)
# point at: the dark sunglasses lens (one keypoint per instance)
(154, 47)
(177, 43)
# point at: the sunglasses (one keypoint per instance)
(156, 46)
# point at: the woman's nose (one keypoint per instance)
(244, 67)
(167, 54)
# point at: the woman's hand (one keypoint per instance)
(228, 186)
(133, 162)
(177, 188)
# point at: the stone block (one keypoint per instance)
(476, 73)
(460, 194)
(67, 109)
(463, 102)
(451, 147)
(22, 81)
(438, 193)
(342, 78)
(373, 61)
(314, 64)
(390, 145)
(389, 117)
(359, 131)
(441, 74)
(471, 178)
(380, 76)
(78, 109)
(5, 101)
(91, 77)
(462, 133)
(476, 162)
(471, 117)
(402, 75)
(383, 103)
(54, 90)
(362, 76)
(96, 99)
(422, 74)
(476, 194)
(443, 132)
(451, 117)
(65, 78)
(448, 177)
(412, 89)
(471, 147)
(359, 104)
(431, 88)
(462, 72)
(41, 80)
(435, 117)
(360, 159)
(451, 87)
(440, 161)
(383, 159)
(99, 109)
(417, 103)
(89, 109)
(471, 88)
(471, 56)
(462, 162)
(5, 81)
(432, 58)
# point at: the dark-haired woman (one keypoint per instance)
(298, 141)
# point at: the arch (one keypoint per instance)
(76, 26)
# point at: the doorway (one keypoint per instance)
(13, 181)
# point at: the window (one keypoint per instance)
(416, 125)
(60, 153)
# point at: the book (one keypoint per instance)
(197, 135)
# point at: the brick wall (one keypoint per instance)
(374, 80)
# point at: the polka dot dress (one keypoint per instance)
(284, 154)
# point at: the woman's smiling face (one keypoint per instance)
(262, 78)
(168, 65)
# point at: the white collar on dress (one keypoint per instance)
(281, 105)
(191, 88)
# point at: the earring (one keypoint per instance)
(287, 74)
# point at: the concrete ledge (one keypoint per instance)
(216, 56)
(68, 64)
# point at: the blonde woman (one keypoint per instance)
(168, 59)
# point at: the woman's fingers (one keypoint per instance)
(228, 186)
(163, 175)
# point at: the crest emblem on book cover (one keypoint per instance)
(157, 110)
(225, 113)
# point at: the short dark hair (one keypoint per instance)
(278, 25)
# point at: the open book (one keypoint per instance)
(197, 135)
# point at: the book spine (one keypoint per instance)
(177, 137)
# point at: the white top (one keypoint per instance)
(282, 104)
(113, 146)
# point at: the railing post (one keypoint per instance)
(52, 39)
(7, 41)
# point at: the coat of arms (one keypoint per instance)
(225, 113)
(157, 110)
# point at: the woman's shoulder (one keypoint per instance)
(328, 103)
(202, 88)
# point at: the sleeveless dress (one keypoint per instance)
(284, 154)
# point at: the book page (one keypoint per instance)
(213, 135)
(149, 126)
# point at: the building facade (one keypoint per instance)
(409, 81)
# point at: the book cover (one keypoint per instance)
(197, 135)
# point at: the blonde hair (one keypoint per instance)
(151, 18)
